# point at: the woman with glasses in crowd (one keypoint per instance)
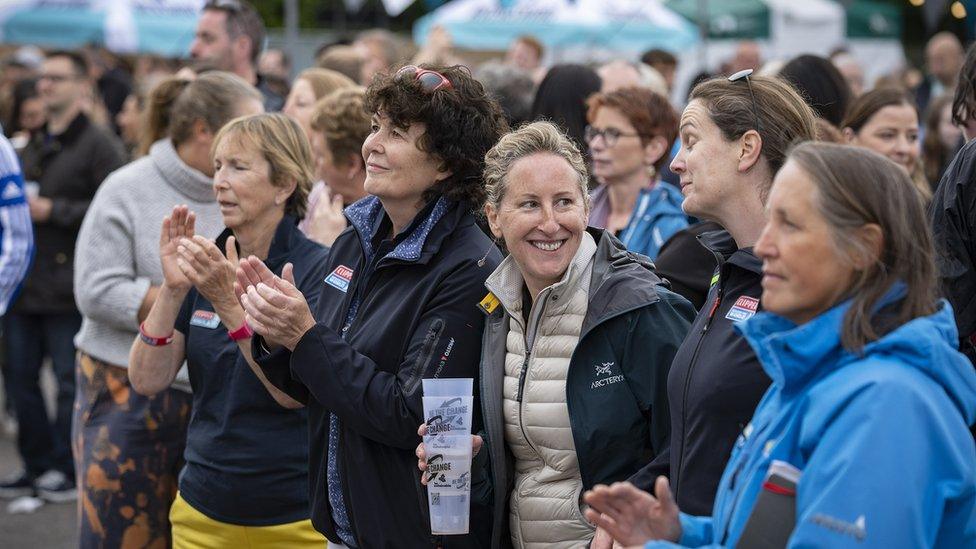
(399, 304)
(118, 277)
(576, 353)
(862, 439)
(630, 134)
(734, 136)
(246, 466)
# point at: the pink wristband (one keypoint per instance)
(243, 332)
(153, 340)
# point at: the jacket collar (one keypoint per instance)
(189, 182)
(73, 131)
(286, 237)
(794, 355)
(622, 280)
(725, 249)
(507, 281)
(419, 241)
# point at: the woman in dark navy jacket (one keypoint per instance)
(399, 304)
(246, 464)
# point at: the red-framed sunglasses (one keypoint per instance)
(431, 81)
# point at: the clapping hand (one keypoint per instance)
(208, 270)
(327, 221)
(274, 307)
(176, 226)
(632, 516)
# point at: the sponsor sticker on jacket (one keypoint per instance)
(205, 319)
(340, 278)
(743, 308)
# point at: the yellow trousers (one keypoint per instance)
(194, 530)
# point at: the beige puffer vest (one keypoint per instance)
(545, 502)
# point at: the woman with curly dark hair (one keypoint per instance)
(398, 305)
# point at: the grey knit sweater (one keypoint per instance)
(117, 255)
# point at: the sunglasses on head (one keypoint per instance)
(430, 81)
(744, 75)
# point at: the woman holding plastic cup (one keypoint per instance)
(399, 305)
(577, 347)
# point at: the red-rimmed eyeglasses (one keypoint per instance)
(431, 81)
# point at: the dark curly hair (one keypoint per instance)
(462, 122)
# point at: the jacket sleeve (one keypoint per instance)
(661, 465)
(695, 532)
(951, 214)
(880, 471)
(276, 365)
(107, 156)
(661, 327)
(17, 247)
(107, 287)
(385, 406)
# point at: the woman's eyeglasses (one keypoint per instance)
(430, 81)
(744, 75)
(609, 135)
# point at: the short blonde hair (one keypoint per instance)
(283, 144)
(534, 138)
(324, 81)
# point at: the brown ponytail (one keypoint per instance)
(156, 112)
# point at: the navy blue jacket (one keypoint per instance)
(714, 384)
(415, 317)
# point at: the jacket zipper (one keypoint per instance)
(687, 387)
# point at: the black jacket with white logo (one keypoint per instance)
(392, 312)
(715, 382)
(616, 385)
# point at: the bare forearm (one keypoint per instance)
(232, 317)
(147, 303)
(152, 368)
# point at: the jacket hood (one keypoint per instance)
(793, 356)
(622, 281)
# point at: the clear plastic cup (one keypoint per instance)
(449, 483)
(448, 407)
(448, 414)
(449, 387)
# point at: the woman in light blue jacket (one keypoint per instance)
(630, 135)
(862, 439)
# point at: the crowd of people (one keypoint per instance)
(748, 320)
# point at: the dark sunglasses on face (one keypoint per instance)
(430, 81)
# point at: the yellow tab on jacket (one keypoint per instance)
(489, 303)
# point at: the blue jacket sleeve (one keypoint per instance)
(884, 471)
(387, 407)
(15, 251)
(695, 532)
(16, 229)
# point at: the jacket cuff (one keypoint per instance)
(695, 531)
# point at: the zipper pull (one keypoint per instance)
(711, 313)
(525, 369)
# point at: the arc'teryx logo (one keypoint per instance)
(605, 369)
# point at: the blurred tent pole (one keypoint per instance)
(291, 28)
(703, 31)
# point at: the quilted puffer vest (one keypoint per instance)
(545, 501)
